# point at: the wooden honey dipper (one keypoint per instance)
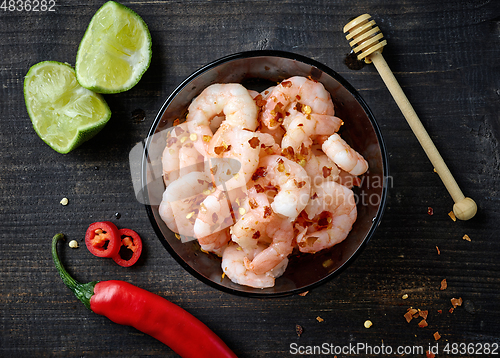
(367, 41)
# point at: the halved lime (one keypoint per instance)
(63, 113)
(115, 50)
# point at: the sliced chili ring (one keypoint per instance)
(130, 248)
(103, 239)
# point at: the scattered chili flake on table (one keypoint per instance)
(303, 293)
(423, 314)
(422, 323)
(437, 336)
(299, 329)
(430, 211)
(319, 319)
(409, 315)
(456, 302)
(429, 354)
(451, 214)
(440, 311)
(466, 238)
(438, 251)
(444, 285)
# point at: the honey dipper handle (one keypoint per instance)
(464, 208)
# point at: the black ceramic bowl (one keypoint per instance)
(258, 70)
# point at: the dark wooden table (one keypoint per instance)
(445, 55)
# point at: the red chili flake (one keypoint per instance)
(423, 314)
(304, 150)
(429, 354)
(299, 329)
(286, 84)
(409, 314)
(327, 172)
(430, 211)
(439, 252)
(298, 97)
(259, 188)
(254, 142)
(256, 235)
(288, 153)
(178, 131)
(267, 212)
(259, 101)
(215, 217)
(253, 203)
(422, 323)
(456, 302)
(451, 310)
(177, 121)
(314, 196)
(444, 285)
(437, 336)
(301, 184)
(171, 141)
(440, 311)
(356, 181)
(261, 172)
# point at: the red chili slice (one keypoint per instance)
(103, 239)
(130, 248)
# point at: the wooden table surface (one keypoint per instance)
(445, 54)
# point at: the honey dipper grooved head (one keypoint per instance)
(365, 35)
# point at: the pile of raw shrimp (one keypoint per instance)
(255, 177)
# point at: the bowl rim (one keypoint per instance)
(292, 56)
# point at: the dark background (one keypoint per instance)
(445, 54)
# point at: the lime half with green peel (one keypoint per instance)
(63, 113)
(115, 50)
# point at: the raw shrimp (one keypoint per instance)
(241, 145)
(331, 215)
(280, 230)
(230, 99)
(301, 128)
(181, 201)
(179, 156)
(344, 156)
(291, 181)
(233, 265)
(295, 89)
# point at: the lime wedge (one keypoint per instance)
(63, 113)
(115, 50)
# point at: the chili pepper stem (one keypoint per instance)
(82, 291)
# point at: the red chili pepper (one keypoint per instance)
(130, 305)
(130, 243)
(102, 239)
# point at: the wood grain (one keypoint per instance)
(444, 55)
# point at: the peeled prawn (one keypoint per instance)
(280, 230)
(288, 92)
(231, 100)
(301, 128)
(331, 215)
(241, 145)
(344, 156)
(179, 156)
(180, 202)
(291, 181)
(233, 265)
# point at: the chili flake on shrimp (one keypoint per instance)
(256, 177)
